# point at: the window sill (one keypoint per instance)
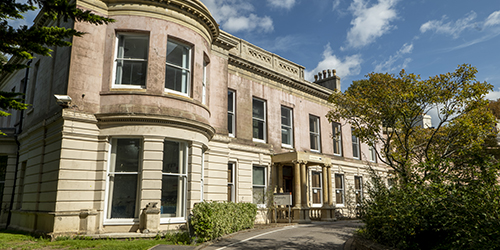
(128, 87)
(287, 146)
(119, 222)
(172, 220)
(258, 140)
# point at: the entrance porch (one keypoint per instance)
(312, 194)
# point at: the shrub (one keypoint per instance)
(212, 220)
(441, 215)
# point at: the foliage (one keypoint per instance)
(23, 42)
(386, 109)
(178, 238)
(212, 220)
(437, 215)
(494, 107)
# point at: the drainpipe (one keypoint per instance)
(18, 132)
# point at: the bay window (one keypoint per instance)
(174, 174)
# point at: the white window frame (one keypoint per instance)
(232, 184)
(264, 140)
(340, 190)
(287, 127)
(115, 61)
(231, 114)
(188, 80)
(358, 191)
(317, 189)
(260, 205)
(337, 138)
(182, 219)
(355, 146)
(122, 221)
(372, 155)
(204, 84)
(316, 135)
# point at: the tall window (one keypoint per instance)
(337, 138)
(123, 172)
(3, 171)
(358, 189)
(178, 67)
(259, 120)
(204, 84)
(230, 182)
(339, 189)
(316, 188)
(173, 188)
(314, 133)
(372, 154)
(131, 60)
(355, 146)
(259, 184)
(286, 126)
(230, 112)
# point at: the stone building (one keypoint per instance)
(166, 111)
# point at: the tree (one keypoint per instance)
(447, 196)
(24, 42)
(495, 108)
(387, 109)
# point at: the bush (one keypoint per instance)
(212, 220)
(434, 215)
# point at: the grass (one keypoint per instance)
(19, 240)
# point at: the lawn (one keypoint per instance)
(16, 240)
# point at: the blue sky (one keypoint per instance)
(356, 37)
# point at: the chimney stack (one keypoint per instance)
(328, 79)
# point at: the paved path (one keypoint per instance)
(317, 236)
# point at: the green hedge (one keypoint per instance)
(212, 220)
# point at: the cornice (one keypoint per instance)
(144, 119)
(191, 8)
(304, 86)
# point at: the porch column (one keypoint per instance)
(303, 182)
(326, 187)
(280, 178)
(296, 185)
(330, 186)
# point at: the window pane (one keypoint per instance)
(123, 196)
(127, 155)
(314, 142)
(133, 47)
(339, 197)
(259, 176)
(131, 72)
(230, 101)
(177, 79)
(230, 124)
(258, 195)
(286, 116)
(171, 157)
(178, 54)
(258, 129)
(258, 109)
(230, 173)
(316, 196)
(313, 124)
(337, 137)
(172, 196)
(286, 136)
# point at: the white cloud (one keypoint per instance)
(450, 28)
(336, 4)
(238, 16)
(493, 19)
(370, 22)
(347, 66)
(493, 95)
(285, 4)
(388, 66)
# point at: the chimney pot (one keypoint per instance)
(315, 78)
(334, 72)
(329, 73)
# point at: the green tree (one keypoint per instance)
(23, 42)
(495, 108)
(387, 109)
